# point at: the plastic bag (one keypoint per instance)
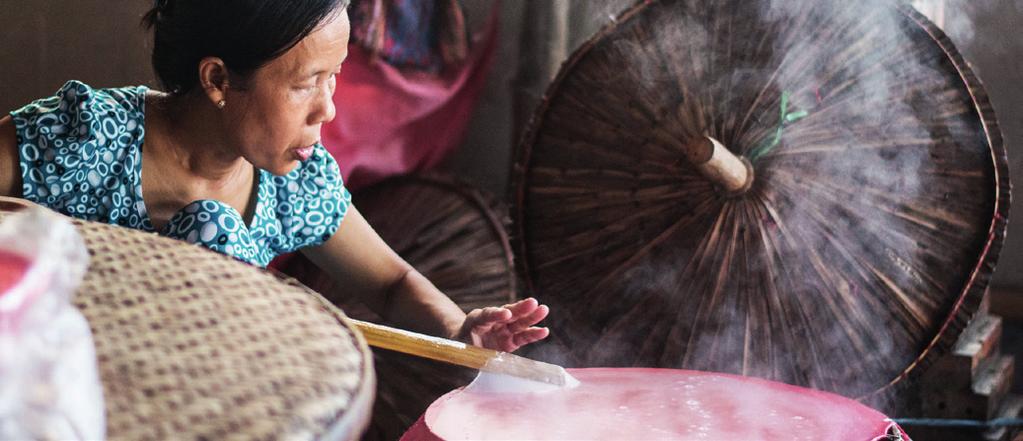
(49, 384)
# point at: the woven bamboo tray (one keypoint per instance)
(877, 209)
(195, 345)
(455, 235)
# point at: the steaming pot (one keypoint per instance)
(643, 403)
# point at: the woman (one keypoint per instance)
(229, 157)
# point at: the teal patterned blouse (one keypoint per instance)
(81, 155)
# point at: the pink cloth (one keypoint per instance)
(391, 121)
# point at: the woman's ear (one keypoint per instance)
(213, 77)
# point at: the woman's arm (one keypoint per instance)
(366, 267)
(10, 174)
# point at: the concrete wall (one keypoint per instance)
(46, 42)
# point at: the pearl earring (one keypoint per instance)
(221, 104)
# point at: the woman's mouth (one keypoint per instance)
(304, 153)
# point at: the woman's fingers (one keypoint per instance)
(530, 319)
(506, 341)
(509, 327)
(482, 321)
(529, 336)
(493, 314)
(522, 307)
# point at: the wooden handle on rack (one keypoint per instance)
(455, 352)
(732, 173)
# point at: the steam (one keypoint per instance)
(956, 17)
(837, 180)
(840, 193)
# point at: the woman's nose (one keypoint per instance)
(325, 110)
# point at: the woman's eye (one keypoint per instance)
(305, 87)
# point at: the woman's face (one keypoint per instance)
(275, 120)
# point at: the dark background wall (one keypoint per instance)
(987, 33)
(43, 43)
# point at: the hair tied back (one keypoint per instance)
(156, 14)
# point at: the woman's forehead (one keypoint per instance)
(321, 50)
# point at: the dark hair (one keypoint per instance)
(246, 34)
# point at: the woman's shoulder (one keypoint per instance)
(76, 97)
(79, 150)
(79, 112)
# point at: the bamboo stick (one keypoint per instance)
(458, 353)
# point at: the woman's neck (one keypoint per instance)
(186, 156)
(190, 135)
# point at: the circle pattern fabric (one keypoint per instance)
(80, 154)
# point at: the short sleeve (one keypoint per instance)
(75, 151)
(310, 202)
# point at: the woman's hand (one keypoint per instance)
(505, 328)
(360, 261)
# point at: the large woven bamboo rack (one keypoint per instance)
(194, 344)
(861, 246)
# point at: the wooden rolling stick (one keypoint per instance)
(454, 352)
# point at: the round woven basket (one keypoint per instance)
(864, 244)
(455, 235)
(192, 344)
